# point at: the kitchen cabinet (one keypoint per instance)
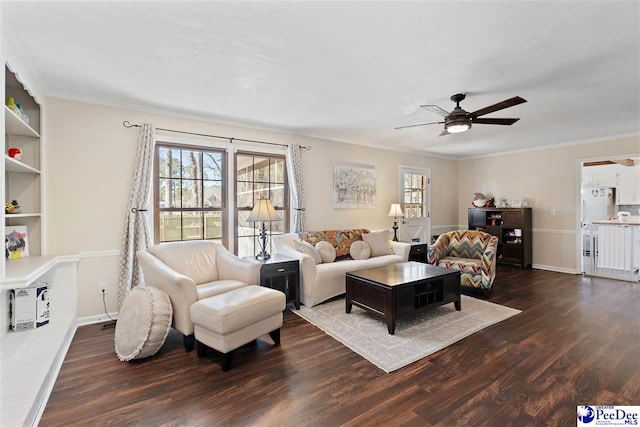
(628, 188)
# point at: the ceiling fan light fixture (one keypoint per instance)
(458, 128)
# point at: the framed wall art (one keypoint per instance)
(16, 242)
(354, 187)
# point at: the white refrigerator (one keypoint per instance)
(598, 204)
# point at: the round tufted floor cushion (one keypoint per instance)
(143, 323)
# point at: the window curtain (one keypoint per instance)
(136, 229)
(294, 171)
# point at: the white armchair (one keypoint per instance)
(190, 271)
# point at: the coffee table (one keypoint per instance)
(398, 290)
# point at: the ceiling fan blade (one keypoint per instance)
(435, 109)
(496, 121)
(444, 132)
(499, 106)
(419, 124)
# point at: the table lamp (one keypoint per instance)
(395, 212)
(263, 211)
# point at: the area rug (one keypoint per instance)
(416, 336)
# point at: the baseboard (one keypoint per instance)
(99, 318)
(554, 268)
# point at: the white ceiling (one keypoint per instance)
(349, 71)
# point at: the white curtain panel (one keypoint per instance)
(294, 170)
(136, 229)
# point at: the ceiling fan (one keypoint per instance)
(460, 120)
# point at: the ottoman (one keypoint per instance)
(227, 321)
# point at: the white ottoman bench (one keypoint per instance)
(227, 321)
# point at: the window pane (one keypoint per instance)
(277, 227)
(244, 168)
(277, 196)
(212, 194)
(168, 163)
(261, 191)
(192, 225)
(169, 193)
(170, 226)
(246, 228)
(212, 164)
(191, 164)
(247, 246)
(213, 225)
(245, 195)
(277, 171)
(261, 169)
(191, 194)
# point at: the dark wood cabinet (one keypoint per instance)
(282, 273)
(512, 227)
(418, 252)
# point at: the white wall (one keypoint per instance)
(548, 179)
(89, 163)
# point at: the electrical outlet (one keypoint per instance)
(102, 287)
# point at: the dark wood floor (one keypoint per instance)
(577, 341)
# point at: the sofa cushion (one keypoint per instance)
(379, 242)
(308, 249)
(194, 259)
(340, 239)
(326, 250)
(359, 250)
(465, 265)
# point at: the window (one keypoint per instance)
(189, 193)
(259, 175)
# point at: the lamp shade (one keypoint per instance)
(395, 210)
(263, 211)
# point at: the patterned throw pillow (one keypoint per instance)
(327, 251)
(359, 250)
(379, 242)
(307, 249)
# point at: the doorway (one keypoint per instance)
(415, 196)
(607, 186)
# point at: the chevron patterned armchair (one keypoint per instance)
(471, 252)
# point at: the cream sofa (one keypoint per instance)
(320, 282)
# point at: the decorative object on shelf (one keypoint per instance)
(525, 203)
(8, 208)
(516, 203)
(16, 242)
(505, 203)
(15, 153)
(16, 207)
(479, 200)
(22, 114)
(491, 202)
(395, 212)
(264, 212)
(11, 104)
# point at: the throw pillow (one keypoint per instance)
(379, 242)
(307, 249)
(327, 251)
(359, 250)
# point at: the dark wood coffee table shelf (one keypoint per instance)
(398, 290)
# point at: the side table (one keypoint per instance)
(283, 274)
(418, 252)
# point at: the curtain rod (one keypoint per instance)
(129, 125)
